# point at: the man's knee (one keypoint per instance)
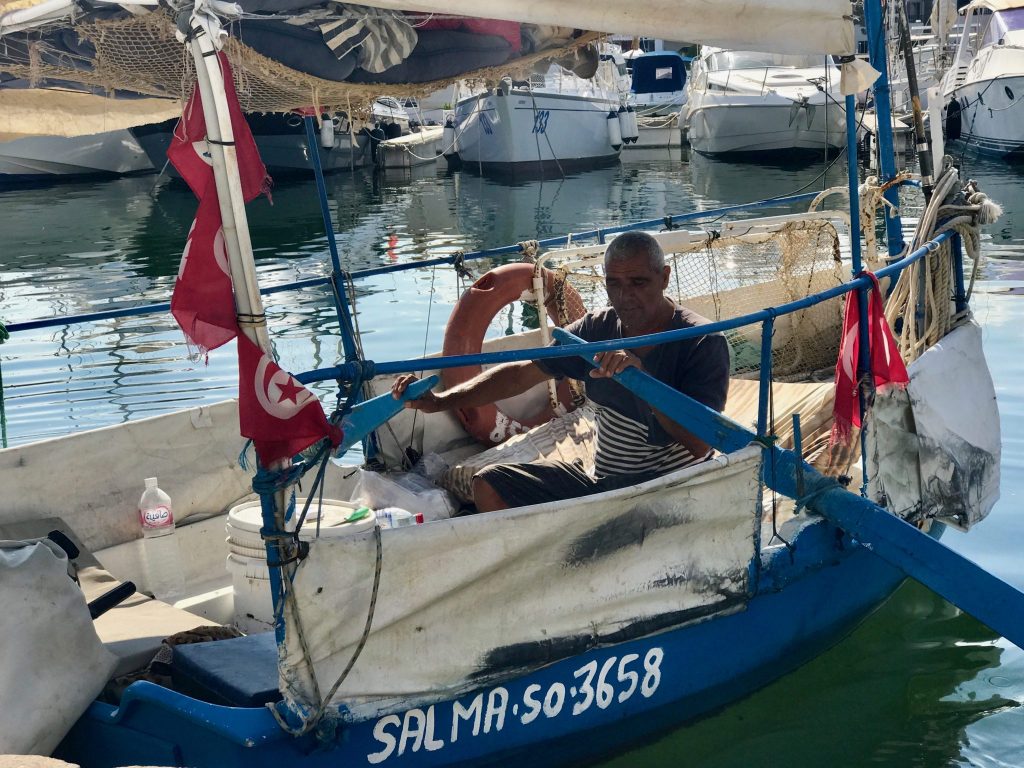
(485, 497)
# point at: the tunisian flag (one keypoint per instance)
(280, 415)
(887, 366)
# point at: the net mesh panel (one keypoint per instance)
(141, 54)
(725, 277)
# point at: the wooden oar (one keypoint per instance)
(370, 414)
(965, 584)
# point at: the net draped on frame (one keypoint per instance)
(142, 55)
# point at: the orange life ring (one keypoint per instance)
(465, 335)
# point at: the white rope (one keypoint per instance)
(923, 299)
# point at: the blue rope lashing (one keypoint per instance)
(267, 481)
(816, 488)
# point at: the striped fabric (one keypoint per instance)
(623, 448)
(383, 38)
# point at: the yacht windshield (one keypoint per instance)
(1003, 22)
(754, 60)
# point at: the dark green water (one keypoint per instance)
(919, 684)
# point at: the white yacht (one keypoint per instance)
(556, 121)
(983, 89)
(743, 102)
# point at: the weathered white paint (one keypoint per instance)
(473, 599)
(194, 453)
(936, 446)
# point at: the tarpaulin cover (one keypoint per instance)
(473, 599)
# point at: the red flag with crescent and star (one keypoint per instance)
(280, 415)
(887, 368)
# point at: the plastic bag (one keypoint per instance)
(406, 490)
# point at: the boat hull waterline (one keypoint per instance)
(578, 708)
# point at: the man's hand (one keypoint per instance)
(614, 361)
(428, 403)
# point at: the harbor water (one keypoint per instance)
(917, 684)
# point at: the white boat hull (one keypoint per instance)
(521, 131)
(45, 158)
(759, 125)
(992, 114)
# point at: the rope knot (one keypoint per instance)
(459, 263)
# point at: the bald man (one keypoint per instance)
(635, 443)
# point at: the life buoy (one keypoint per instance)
(465, 335)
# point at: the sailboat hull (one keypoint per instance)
(523, 132)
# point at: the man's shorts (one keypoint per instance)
(537, 482)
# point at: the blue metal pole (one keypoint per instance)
(767, 330)
(337, 278)
(960, 297)
(883, 116)
(856, 259)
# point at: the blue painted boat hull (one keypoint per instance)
(577, 709)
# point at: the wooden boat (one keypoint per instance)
(559, 631)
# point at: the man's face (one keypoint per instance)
(636, 292)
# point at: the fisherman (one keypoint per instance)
(635, 443)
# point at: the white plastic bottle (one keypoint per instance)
(395, 517)
(160, 550)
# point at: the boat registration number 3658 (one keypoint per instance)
(596, 684)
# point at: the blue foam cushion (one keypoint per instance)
(240, 672)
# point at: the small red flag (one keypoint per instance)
(280, 415)
(190, 153)
(887, 366)
(203, 302)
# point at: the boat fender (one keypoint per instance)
(954, 120)
(326, 132)
(614, 130)
(632, 132)
(448, 138)
(464, 335)
(376, 137)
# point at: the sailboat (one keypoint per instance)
(556, 632)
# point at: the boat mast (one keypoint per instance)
(883, 117)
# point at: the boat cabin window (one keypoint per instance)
(1003, 22)
(724, 60)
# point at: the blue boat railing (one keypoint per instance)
(366, 369)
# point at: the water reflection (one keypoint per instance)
(86, 247)
(897, 692)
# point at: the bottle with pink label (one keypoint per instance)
(160, 551)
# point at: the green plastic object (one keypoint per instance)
(370, 414)
(358, 514)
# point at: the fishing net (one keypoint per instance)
(741, 269)
(142, 55)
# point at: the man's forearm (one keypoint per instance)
(693, 444)
(497, 383)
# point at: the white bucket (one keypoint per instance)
(247, 555)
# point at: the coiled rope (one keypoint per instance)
(921, 304)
